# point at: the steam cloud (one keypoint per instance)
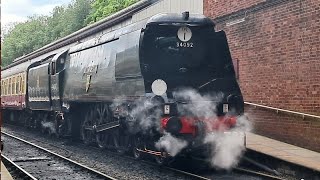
(226, 148)
(141, 113)
(198, 105)
(171, 144)
(48, 125)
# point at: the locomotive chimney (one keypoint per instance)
(186, 15)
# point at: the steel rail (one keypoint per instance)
(304, 115)
(62, 157)
(257, 173)
(131, 158)
(27, 175)
(260, 174)
(189, 173)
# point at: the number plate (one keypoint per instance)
(185, 44)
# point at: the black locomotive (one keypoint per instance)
(125, 88)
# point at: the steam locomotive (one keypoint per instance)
(130, 88)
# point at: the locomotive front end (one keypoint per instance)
(187, 68)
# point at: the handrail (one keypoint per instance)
(283, 110)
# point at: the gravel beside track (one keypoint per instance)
(43, 164)
(15, 171)
(100, 160)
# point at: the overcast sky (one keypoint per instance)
(19, 10)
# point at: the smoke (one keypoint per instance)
(198, 105)
(228, 147)
(48, 125)
(171, 144)
(145, 117)
(143, 114)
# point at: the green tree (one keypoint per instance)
(24, 38)
(104, 8)
(65, 21)
(41, 30)
(38, 31)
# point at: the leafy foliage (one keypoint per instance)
(41, 30)
(38, 31)
(104, 8)
(24, 38)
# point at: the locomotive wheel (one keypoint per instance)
(103, 115)
(121, 142)
(36, 123)
(137, 144)
(63, 128)
(160, 160)
(87, 135)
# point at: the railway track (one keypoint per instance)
(37, 162)
(238, 172)
(16, 171)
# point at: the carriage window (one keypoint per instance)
(18, 85)
(6, 86)
(24, 84)
(13, 85)
(21, 83)
(2, 88)
(10, 87)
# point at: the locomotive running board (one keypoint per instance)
(103, 127)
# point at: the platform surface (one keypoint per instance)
(284, 151)
(4, 173)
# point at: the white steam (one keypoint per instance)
(198, 105)
(227, 148)
(48, 125)
(171, 144)
(142, 113)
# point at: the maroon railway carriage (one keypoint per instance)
(13, 87)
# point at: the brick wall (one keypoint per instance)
(216, 8)
(278, 48)
(296, 130)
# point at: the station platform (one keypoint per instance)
(5, 175)
(284, 151)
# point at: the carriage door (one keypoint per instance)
(56, 79)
